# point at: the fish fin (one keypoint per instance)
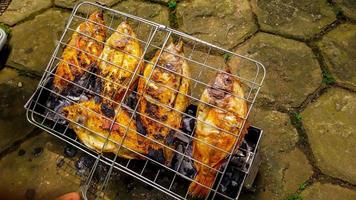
(198, 190)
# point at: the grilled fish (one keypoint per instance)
(224, 93)
(119, 60)
(81, 53)
(95, 128)
(161, 102)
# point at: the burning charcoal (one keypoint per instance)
(100, 172)
(70, 151)
(71, 135)
(129, 182)
(37, 151)
(21, 152)
(188, 121)
(107, 111)
(156, 155)
(170, 137)
(139, 125)
(131, 101)
(83, 163)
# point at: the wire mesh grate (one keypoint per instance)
(205, 61)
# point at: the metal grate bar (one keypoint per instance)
(53, 121)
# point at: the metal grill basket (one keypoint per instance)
(204, 59)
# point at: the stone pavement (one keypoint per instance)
(307, 105)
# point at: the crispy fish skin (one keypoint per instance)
(97, 128)
(120, 58)
(223, 93)
(76, 62)
(158, 93)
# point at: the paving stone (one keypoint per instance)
(320, 191)
(279, 133)
(146, 10)
(39, 175)
(292, 72)
(15, 90)
(331, 128)
(33, 42)
(300, 18)
(338, 47)
(50, 174)
(160, 1)
(280, 173)
(348, 7)
(84, 8)
(280, 176)
(20, 9)
(224, 23)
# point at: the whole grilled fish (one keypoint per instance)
(119, 60)
(81, 53)
(95, 128)
(224, 93)
(161, 102)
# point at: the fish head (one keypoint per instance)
(221, 87)
(97, 17)
(96, 28)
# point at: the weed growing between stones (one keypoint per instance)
(302, 186)
(6, 28)
(297, 119)
(172, 4)
(327, 78)
(295, 196)
(227, 57)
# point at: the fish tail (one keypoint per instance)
(198, 190)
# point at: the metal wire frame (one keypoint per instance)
(168, 32)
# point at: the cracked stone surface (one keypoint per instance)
(49, 174)
(15, 90)
(299, 18)
(292, 71)
(38, 174)
(84, 8)
(331, 128)
(280, 173)
(339, 50)
(146, 10)
(348, 7)
(33, 42)
(20, 9)
(321, 191)
(224, 23)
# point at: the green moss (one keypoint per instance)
(6, 28)
(302, 186)
(172, 4)
(294, 196)
(298, 117)
(227, 56)
(327, 78)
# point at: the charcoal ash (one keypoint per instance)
(83, 164)
(156, 154)
(100, 172)
(188, 120)
(183, 164)
(70, 151)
